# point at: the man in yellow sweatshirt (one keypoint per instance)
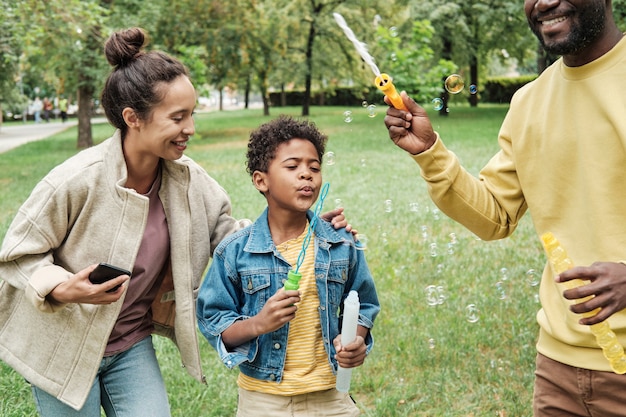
(563, 158)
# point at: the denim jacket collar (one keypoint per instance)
(260, 240)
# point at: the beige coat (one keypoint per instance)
(81, 214)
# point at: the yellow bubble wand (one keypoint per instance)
(382, 81)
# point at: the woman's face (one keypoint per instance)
(167, 130)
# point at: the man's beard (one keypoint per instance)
(585, 30)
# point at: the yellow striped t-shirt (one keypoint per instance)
(306, 365)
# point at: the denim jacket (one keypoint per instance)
(247, 269)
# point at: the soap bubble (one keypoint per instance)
(414, 207)
(371, 110)
(471, 313)
(500, 290)
(433, 249)
(347, 116)
(441, 294)
(531, 277)
(364, 104)
(338, 203)
(454, 84)
(432, 295)
(431, 343)
(330, 158)
(473, 89)
(504, 274)
(393, 31)
(437, 103)
(363, 162)
(393, 57)
(361, 243)
(388, 206)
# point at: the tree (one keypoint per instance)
(467, 31)
(10, 53)
(62, 38)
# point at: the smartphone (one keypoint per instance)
(105, 272)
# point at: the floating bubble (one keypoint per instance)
(439, 268)
(393, 57)
(347, 116)
(364, 104)
(388, 206)
(424, 230)
(363, 162)
(471, 313)
(338, 203)
(414, 207)
(393, 31)
(504, 274)
(433, 249)
(441, 295)
(473, 89)
(330, 158)
(361, 243)
(437, 103)
(435, 212)
(450, 248)
(432, 295)
(453, 239)
(500, 290)
(371, 110)
(431, 343)
(384, 239)
(531, 277)
(454, 84)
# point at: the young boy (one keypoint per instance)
(287, 343)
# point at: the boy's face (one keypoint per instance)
(294, 177)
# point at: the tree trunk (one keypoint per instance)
(85, 110)
(247, 93)
(473, 98)
(445, 96)
(306, 100)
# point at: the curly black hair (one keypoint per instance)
(264, 140)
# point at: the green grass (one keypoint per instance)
(427, 360)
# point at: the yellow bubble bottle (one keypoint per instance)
(606, 339)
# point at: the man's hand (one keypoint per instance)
(412, 130)
(606, 287)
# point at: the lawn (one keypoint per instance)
(456, 333)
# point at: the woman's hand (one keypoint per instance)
(78, 289)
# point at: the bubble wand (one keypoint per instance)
(293, 276)
(606, 339)
(382, 81)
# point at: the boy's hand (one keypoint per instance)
(279, 309)
(351, 355)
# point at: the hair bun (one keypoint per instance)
(123, 46)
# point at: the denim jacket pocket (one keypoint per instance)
(257, 290)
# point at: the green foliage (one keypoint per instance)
(428, 360)
(411, 61)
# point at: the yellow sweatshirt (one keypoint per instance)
(563, 157)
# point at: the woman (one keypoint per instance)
(134, 201)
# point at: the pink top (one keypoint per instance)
(135, 320)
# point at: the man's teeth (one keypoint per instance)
(553, 21)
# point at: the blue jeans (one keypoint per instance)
(128, 384)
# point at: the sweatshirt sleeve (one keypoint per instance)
(491, 205)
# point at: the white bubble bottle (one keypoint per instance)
(351, 308)
(606, 339)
